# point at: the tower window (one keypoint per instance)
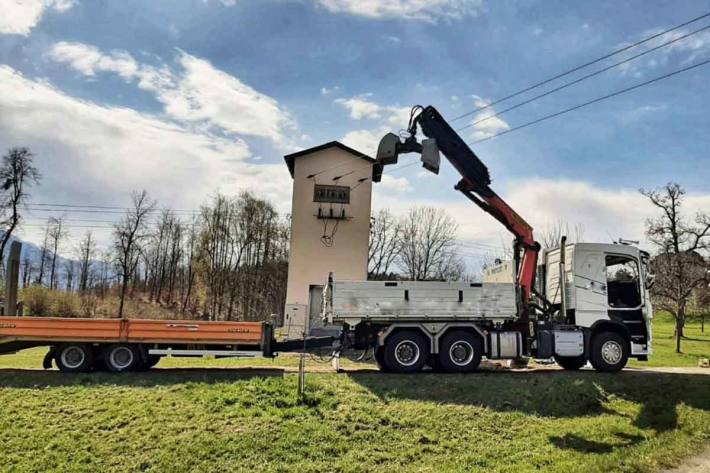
(333, 194)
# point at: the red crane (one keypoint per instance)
(475, 183)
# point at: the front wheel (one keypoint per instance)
(610, 352)
(405, 351)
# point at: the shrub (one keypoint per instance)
(65, 304)
(37, 300)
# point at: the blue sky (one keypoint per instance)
(186, 97)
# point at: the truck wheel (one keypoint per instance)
(74, 357)
(610, 352)
(405, 352)
(380, 359)
(571, 362)
(120, 357)
(460, 352)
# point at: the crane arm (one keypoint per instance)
(474, 184)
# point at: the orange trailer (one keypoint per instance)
(126, 344)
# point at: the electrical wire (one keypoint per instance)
(599, 99)
(583, 78)
(581, 66)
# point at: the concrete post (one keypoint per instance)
(12, 276)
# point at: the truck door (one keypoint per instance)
(589, 286)
(624, 296)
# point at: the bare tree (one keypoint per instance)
(44, 256)
(680, 265)
(87, 249)
(129, 234)
(384, 245)
(428, 250)
(552, 234)
(17, 173)
(57, 233)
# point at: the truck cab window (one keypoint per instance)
(622, 279)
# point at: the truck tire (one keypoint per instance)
(380, 359)
(74, 357)
(120, 357)
(460, 352)
(570, 362)
(609, 352)
(405, 351)
(149, 362)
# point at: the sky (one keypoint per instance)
(187, 98)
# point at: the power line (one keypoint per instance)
(577, 68)
(599, 99)
(583, 78)
(106, 207)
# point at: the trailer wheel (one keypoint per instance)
(460, 352)
(150, 361)
(120, 357)
(74, 357)
(610, 352)
(571, 362)
(405, 351)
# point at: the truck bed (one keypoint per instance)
(401, 300)
(46, 330)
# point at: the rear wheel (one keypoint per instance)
(405, 351)
(460, 352)
(610, 352)
(120, 357)
(74, 357)
(571, 362)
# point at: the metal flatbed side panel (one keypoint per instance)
(190, 331)
(131, 330)
(410, 299)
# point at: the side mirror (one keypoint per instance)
(431, 159)
(387, 150)
(650, 279)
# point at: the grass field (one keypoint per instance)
(195, 415)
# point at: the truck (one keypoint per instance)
(577, 303)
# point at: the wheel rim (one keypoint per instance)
(73, 357)
(121, 358)
(461, 353)
(612, 352)
(406, 352)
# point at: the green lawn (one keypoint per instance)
(197, 415)
(694, 346)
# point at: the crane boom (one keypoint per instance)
(474, 184)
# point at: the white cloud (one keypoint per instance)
(484, 124)
(363, 107)
(196, 93)
(421, 10)
(684, 51)
(20, 16)
(394, 183)
(102, 153)
(89, 60)
(365, 141)
(325, 91)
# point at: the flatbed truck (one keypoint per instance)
(578, 303)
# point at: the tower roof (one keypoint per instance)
(290, 158)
